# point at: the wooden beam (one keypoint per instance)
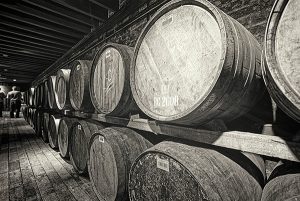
(38, 31)
(58, 9)
(29, 47)
(10, 51)
(84, 7)
(16, 75)
(18, 60)
(27, 51)
(22, 69)
(33, 36)
(266, 145)
(30, 41)
(108, 4)
(36, 22)
(47, 17)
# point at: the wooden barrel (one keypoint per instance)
(282, 54)
(112, 152)
(53, 130)
(33, 118)
(64, 132)
(31, 96)
(45, 95)
(193, 63)
(51, 92)
(62, 89)
(109, 82)
(79, 86)
(176, 171)
(79, 143)
(39, 122)
(45, 127)
(284, 183)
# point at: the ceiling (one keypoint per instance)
(35, 33)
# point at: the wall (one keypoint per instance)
(253, 14)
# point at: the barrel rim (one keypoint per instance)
(62, 74)
(271, 67)
(216, 14)
(125, 92)
(92, 140)
(74, 65)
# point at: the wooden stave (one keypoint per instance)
(86, 104)
(39, 123)
(283, 183)
(88, 127)
(45, 97)
(116, 138)
(31, 96)
(195, 115)
(63, 147)
(202, 175)
(129, 104)
(45, 127)
(65, 75)
(272, 78)
(51, 92)
(53, 130)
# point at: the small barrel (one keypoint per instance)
(79, 143)
(284, 183)
(45, 94)
(45, 127)
(53, 130)
(51, 92)
(109, 82)
(64, 132)
(282, 55)
(79, 86)
(62, 89)
(39, 122)
(112, 152)
(176, 171)
(193, 63)
(31, 96)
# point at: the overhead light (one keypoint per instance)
(14, 80)
(4, 55)
(5, 69)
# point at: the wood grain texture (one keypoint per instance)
(176, 171)
(284, 183)
(51, 92)
(62, 89)
(109, 82)
(80, 86)
(64, 132)
(45, 127)
(31, 96)
(53, 130)
(82, 131)
(282, 50)
(193, 63)
(112, 152)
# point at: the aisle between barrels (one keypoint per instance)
(31, 170)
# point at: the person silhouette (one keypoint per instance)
(14, 97)
(2, 96)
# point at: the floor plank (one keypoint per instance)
(30, 170)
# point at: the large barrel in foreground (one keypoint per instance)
(51, 94)
(53, 130)
(193, 63)
(282, 53)
(112, 152)
(284, 183)
(176, 171)
(82, 132)
(62, 89)
(64, 132)
(79, 86)
(109, 82)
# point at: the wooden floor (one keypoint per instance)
(31, 170)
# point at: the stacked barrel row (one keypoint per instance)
(192, 64)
